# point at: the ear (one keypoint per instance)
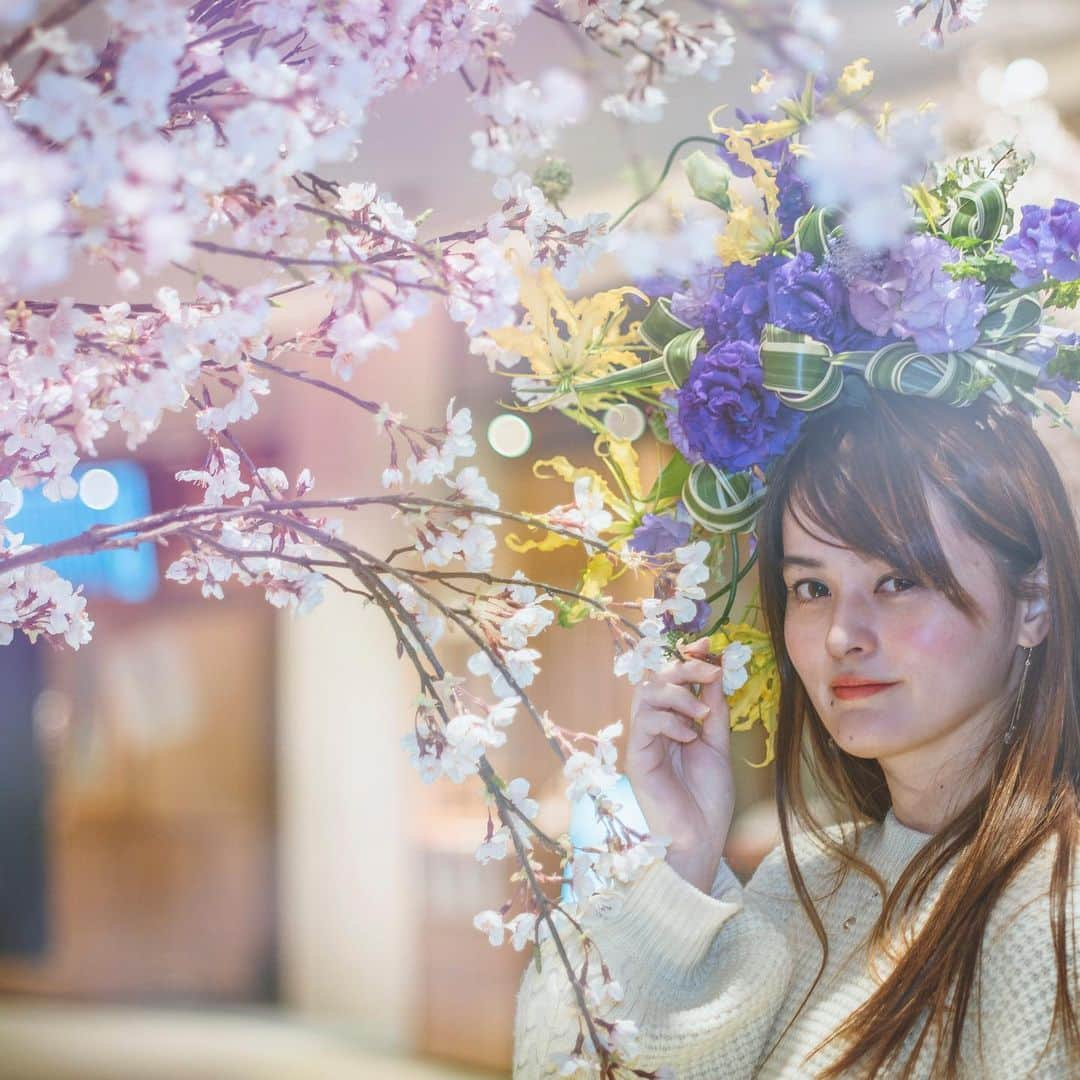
(1035, 613)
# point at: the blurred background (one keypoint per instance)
(215, 859)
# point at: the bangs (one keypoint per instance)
(868, 488)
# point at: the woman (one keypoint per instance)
(929, 550)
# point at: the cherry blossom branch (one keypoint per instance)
(491, 782)
(156, 526)
(322, 384)
(491, 579)
(61, 15)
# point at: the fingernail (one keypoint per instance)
(703, 711)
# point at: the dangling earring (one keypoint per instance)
(1010, 732)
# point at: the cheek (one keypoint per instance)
(932, 639)
(802, 642)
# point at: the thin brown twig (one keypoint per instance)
(157, 526)
(502, 803)
(60, 15)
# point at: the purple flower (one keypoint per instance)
(793, 189)
(912, 297)
(689, 303)
(1044, 351)
(738, 306)
(661, 533)
(669, 399)
(727, 416)
(657, 284)
(1047, 242)
(693, 626)
(794, 193)
(808, 299)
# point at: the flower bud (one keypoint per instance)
(709, 178)
(554, 179)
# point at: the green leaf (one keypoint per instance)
(1064, 295)
(670, 482)
(658, 425)
(1066, 362)
(570, 613)
(991, 268)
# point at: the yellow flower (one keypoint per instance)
(764, 83)
(858, 75)
(757, 701)
(751, 233)
(566, 340)
(748, 236)
(619, 503)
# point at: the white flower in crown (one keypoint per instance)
(734, 660)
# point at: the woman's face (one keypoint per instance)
(849, 616)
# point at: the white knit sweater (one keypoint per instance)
(712, 981)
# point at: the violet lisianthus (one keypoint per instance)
(911, 296)
(669, 399)
(738, 306)
(727, 416)
(794, 194)
(688, 302)
(1044, 350)
(693, 625)
(660, 533)
(1047, 243)
(810, 299)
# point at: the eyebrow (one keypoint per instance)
(799, 560)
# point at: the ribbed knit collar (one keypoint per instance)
(897, 845)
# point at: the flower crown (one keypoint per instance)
(803, 300)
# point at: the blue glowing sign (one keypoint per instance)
(122, 490)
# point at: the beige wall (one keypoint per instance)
(348, 872)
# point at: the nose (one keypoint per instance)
(851, 628)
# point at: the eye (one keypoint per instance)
(906, 582)
(904, 585)
(800, 597)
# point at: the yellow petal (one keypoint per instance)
(625, 459)
(527, 344)
(764, 83)
(762, 177)
(550, 542)
(597, 574)
(857, 76)
(748, 236)
(566, 470)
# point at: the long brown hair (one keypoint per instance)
(860, 472)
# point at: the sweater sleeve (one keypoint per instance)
(1017, 986)
(703, 977)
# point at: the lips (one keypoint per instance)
(849, 692)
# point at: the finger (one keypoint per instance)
(690, 671)
(698, 648)
(675, 699)
(655, 722)
(716, 726)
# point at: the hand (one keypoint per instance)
(678, 760)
